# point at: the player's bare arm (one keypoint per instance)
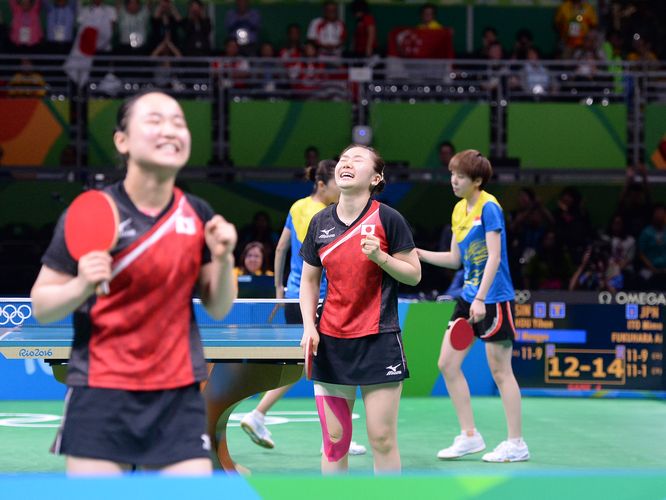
(216, 280)
(56, 294)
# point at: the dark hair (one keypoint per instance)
(473, 164)
(490, 29)
(251, 245)
(429, 6)
(378, 164)
(324, 172)
(529, 192)
(447, 143)
(359, 6)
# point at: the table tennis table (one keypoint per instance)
(245, 358)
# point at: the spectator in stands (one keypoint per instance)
(267, 68)
(60, 22)
(652, 248)
(253, 260)
(549, 268)
(524, 42)
(236, 67)
(133, 19)
(293, 50)
(526, 228)
(26, 27)
(197, 30)
(572, 223)
(260, 230)
(103, 17)
(312, 73)
(365, 34)
(590, 58)
(573, 20)
(429, 18)
(535, 77)
(166, 29)
(642, 53)
(27, 82)
(622, 251)
(488, 37)
(592, 274)
(497, 72)
(446, 152)
(612, 48)
(328, 32)
(311, 155)
(243, 25)
(635, 206)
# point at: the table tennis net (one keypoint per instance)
(245, 313)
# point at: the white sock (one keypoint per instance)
(517, 441)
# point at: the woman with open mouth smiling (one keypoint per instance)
(366, 249)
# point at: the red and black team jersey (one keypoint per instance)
(143, 335)
(361, 299)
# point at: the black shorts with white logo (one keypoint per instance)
(496, 326)
(142, 428)
(369, 360)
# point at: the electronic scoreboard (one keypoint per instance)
(589, 346)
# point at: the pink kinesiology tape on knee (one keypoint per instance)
(334, 451)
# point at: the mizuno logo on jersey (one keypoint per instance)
(393, 370)
(326, 233)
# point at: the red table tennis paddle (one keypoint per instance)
(461, 334)
(91, 224)
(309, 355)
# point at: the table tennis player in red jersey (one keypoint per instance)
(366, 249)
(133, 396)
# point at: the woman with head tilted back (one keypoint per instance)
(133, 396)
(366, 249)
(324, 193)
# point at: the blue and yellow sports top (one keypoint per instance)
(470, 231)
(298, 220)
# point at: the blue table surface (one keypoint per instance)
(229, 336)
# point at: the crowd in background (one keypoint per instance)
(596, 38)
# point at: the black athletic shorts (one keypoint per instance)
(151, 428)
(496, 326)
(369, 360)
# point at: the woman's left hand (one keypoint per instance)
(220, 236)
(370, 247)
(477, 311)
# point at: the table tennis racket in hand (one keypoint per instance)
(91, 224)
(309, 355)
(461, 334)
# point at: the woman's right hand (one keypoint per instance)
(94, 268)
(310, 332)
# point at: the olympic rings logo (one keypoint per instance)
(522, 296)
(13, 315)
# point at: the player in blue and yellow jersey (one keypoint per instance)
(324, 193)
(479, 243)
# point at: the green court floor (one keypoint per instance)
(564, 435)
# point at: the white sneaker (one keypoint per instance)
(253, 424)
(354, 449)
(508, 451)
(463, 445)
